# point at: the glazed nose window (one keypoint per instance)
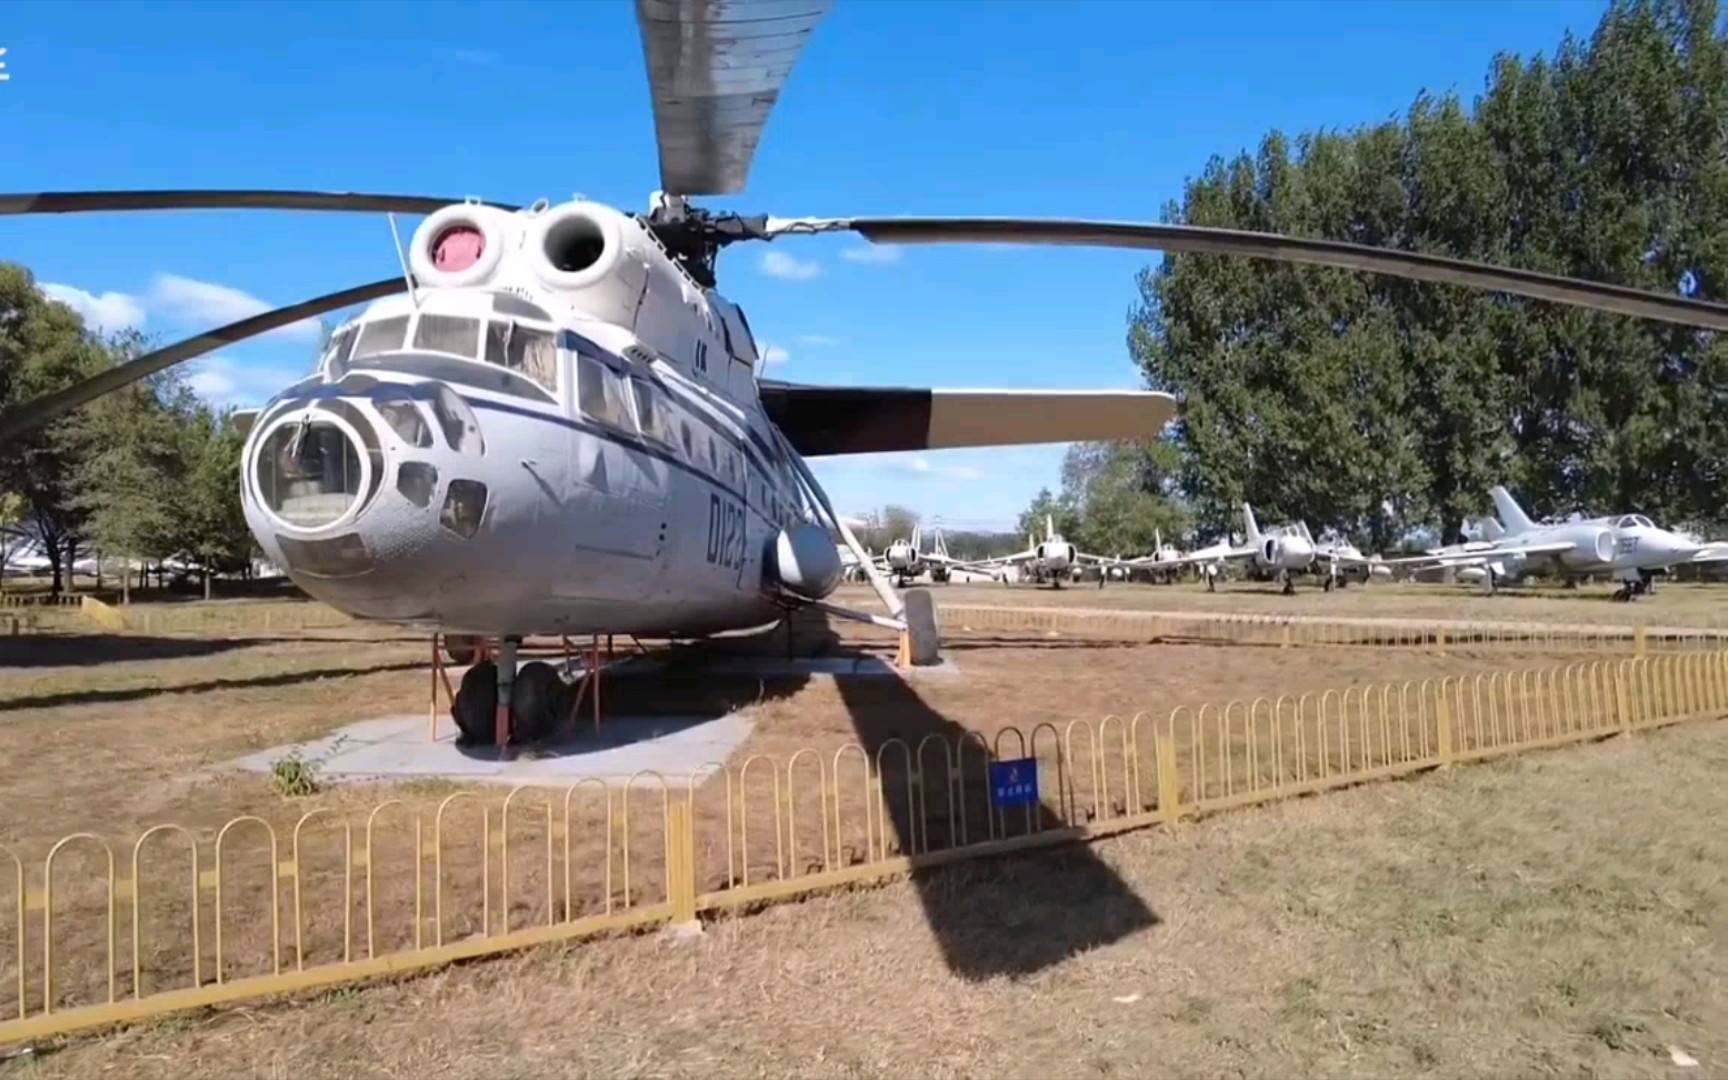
(309, 474)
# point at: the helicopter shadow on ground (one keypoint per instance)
(1010, 916)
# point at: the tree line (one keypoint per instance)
(147, 474)
(1376, 407)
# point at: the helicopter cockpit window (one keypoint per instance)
(456, 335)
(600, 393)
(380, 336)
(525, 350)
(336, 350)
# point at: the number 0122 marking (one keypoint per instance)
(725, 533)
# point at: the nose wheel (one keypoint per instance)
(500, 704)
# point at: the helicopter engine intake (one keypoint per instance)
(804, 561)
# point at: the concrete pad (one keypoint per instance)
(398, 748)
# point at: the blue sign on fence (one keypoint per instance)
(1014, 783)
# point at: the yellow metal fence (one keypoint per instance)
(1207, 627)
(101, 932)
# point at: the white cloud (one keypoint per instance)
(874, 255)
(923, 467)
(189, 300)
(778, 264)
(774, 354)
(102, 314)
(819, 341)
(224, 380)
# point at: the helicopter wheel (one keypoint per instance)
(535, 701)
(476, 704)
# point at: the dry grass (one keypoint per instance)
(1556, 915)
(1673, 605)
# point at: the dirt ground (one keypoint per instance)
(114, 734)
(1486, 921)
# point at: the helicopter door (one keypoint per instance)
(622, 486)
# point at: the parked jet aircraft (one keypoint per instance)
(1050, 559)
(1282, 553)
(905, 558)
(560, 428)
(1629, 547)
(1343, 559)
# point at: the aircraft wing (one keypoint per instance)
(1003, 560)
(1205, 557)
(1481, 556)
(821, 420)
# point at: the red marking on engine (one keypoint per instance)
(457, 248)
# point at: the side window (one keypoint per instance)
(523, 350)
(651, 411)
(600, 393)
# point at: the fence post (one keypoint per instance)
(1443, 722)
(1169, 779)
(681, 863)
(1638, 640)
(1621, 698)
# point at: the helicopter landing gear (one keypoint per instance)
(496, 705)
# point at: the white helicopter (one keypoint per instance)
(560, 429)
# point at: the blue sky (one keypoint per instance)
(1080, 109)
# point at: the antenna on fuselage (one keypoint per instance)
(402, 258)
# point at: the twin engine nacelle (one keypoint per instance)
(803, 561)
(599, 260)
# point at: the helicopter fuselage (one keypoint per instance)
(497, 456)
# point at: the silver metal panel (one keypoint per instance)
(716, 68)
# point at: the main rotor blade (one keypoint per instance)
(821, 420)
(79, 202)
(716, 68)
(1414, 265)
(34, 414)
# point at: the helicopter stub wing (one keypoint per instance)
(823, 420)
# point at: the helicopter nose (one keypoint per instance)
(315, 470)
